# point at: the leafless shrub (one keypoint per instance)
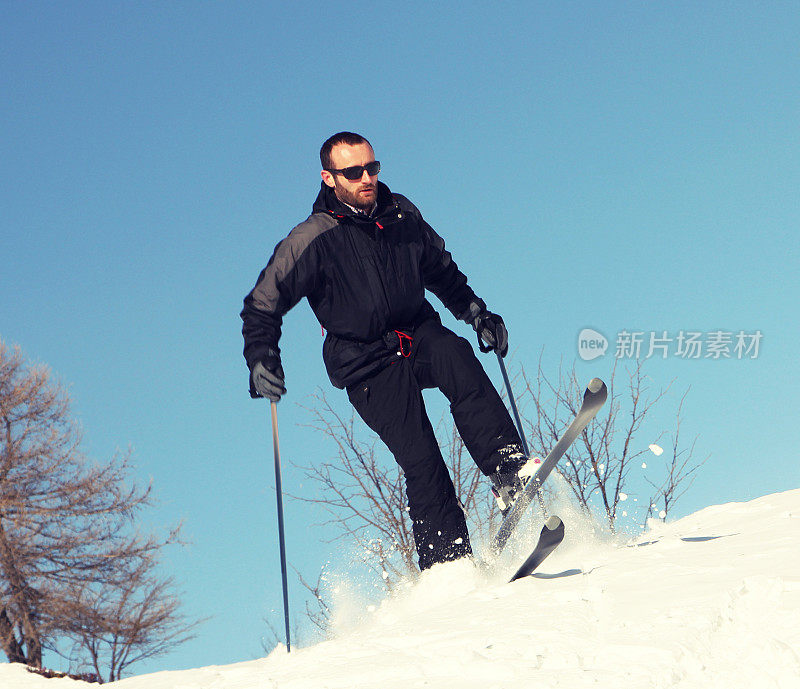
(72, 565)
(597, 466)
(362, 489)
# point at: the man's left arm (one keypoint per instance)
(442, 277)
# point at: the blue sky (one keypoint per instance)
(622, 167)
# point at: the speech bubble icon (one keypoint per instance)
(591, 344)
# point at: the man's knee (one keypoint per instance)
(452, 351)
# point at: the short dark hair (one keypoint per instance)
(349, 138)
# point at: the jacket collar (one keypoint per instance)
(327, 202)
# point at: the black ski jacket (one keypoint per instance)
(365, 279)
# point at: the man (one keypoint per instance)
(363, 259)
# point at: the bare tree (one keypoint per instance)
(363, 491)
(124, 624)
(679, 473)
(598, 464)
(363, 495)
(320, 612)
(362, 488)
(72, 565)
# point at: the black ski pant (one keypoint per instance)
(391, 404)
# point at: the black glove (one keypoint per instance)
(266, 379)
(490, 328)
(492, 331)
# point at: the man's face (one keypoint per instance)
(361, 193)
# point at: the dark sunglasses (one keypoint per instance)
(357, 171)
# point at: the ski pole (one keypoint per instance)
(280, 520)
(518, 422)
(513, 405)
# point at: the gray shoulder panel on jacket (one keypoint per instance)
(300, 238)
(286, 256)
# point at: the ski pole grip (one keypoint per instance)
(484, 347)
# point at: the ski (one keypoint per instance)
(550, 538)
(593, 398)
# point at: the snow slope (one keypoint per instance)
(711, 601)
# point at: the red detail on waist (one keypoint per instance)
(404, 338)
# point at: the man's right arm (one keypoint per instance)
(290, 275)
(262, 315)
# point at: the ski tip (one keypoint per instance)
(596, 393)
(553, 523)
(595, 384)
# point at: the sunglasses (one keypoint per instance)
(357, 171)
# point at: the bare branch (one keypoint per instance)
(72, 565)
(362, 489)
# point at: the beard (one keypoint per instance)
(356, 198)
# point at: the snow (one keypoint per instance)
(711, 601)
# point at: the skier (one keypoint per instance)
(363, 259)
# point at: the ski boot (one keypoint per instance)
(513, 471)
